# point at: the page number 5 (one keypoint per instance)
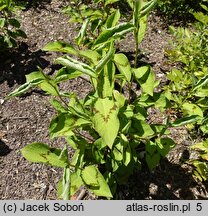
(199, 206)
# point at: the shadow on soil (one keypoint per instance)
(15, 65)
(179, 13)
(4, 149)
(36, 4)
(142, 60)
(168, 181)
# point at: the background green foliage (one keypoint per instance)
(188, 84)
(180, 10)
(9, 25)
(201, 165)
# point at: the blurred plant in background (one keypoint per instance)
(188, 84)
(9, 24)
(180, 9)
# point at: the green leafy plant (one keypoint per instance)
(92, 17)
(108, 129)
(9, 25)
(105, 18)
(187, 85)
(180, 9)
(201, 164)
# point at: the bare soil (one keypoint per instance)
(26, 119)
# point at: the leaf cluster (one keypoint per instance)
(108, 129)
(188, 85)
(9, 26)
(201, 165)
(180, 9)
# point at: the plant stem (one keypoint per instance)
(137, 48)
(135, 64)
(57, 92)
(129, 92)
(90, 139)
(59, 96)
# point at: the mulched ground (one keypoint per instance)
(26, 119)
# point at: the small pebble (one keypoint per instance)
(2, 101)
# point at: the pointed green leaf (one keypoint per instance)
(201, 92)
(14, 22)
(112, 33)
(202, 82)
(202, 170)
(91, 55)
(152, 155)
(66, 74)
(148, 7)
(42, 153)
(105, 84)
(127, 153)
(95, 181)
(129, 113)
(105, 120)
(33, 79)
(202, 146)
(141, 128)
(123, 65)
(74, 64)
(152, 160)
(165, 145)
(136, 14)
(82, 31)
(20, 33)
(117, 151)
(185, 120)
(201, 17)
(25, 87)
(146, 79)
(34, 75)
(2, 22)
(120, 98)
(66, 184)
(140, 113)
(79, 157)
(47, 85)
(151, 147)
(63, 124)
(98, 151)
(203, 102)
(89, 175)
(76, 183)
(58, 106)
(2, 7)
(113, 19)
(105, 59)
(142, 29)
(64, 154)
(60, 46)
(192, 109)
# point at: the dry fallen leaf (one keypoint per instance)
(2, 134)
